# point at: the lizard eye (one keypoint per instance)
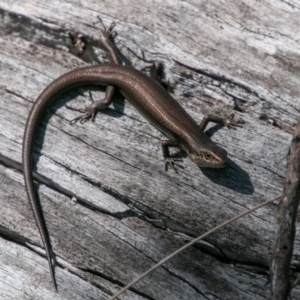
(207, 156)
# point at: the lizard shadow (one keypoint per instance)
(232, 177)
(115, 110)
(37, 146)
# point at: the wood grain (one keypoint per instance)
(218, 57)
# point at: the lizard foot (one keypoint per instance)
(229, 123)
(88, 113)
(175, 163)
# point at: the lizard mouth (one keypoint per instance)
(210, 160)
(216, 165)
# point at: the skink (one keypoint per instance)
(151, 100)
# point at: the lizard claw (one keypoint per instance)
(228, 122)
(88, 113)
(174, 162)
(85, 117)
(106, 33)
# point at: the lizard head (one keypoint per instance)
(215, 157)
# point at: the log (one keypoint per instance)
(110, 208)
(287, 214)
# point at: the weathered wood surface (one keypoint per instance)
(234, 54)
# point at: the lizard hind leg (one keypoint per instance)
(115, 58)
(106, 40)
